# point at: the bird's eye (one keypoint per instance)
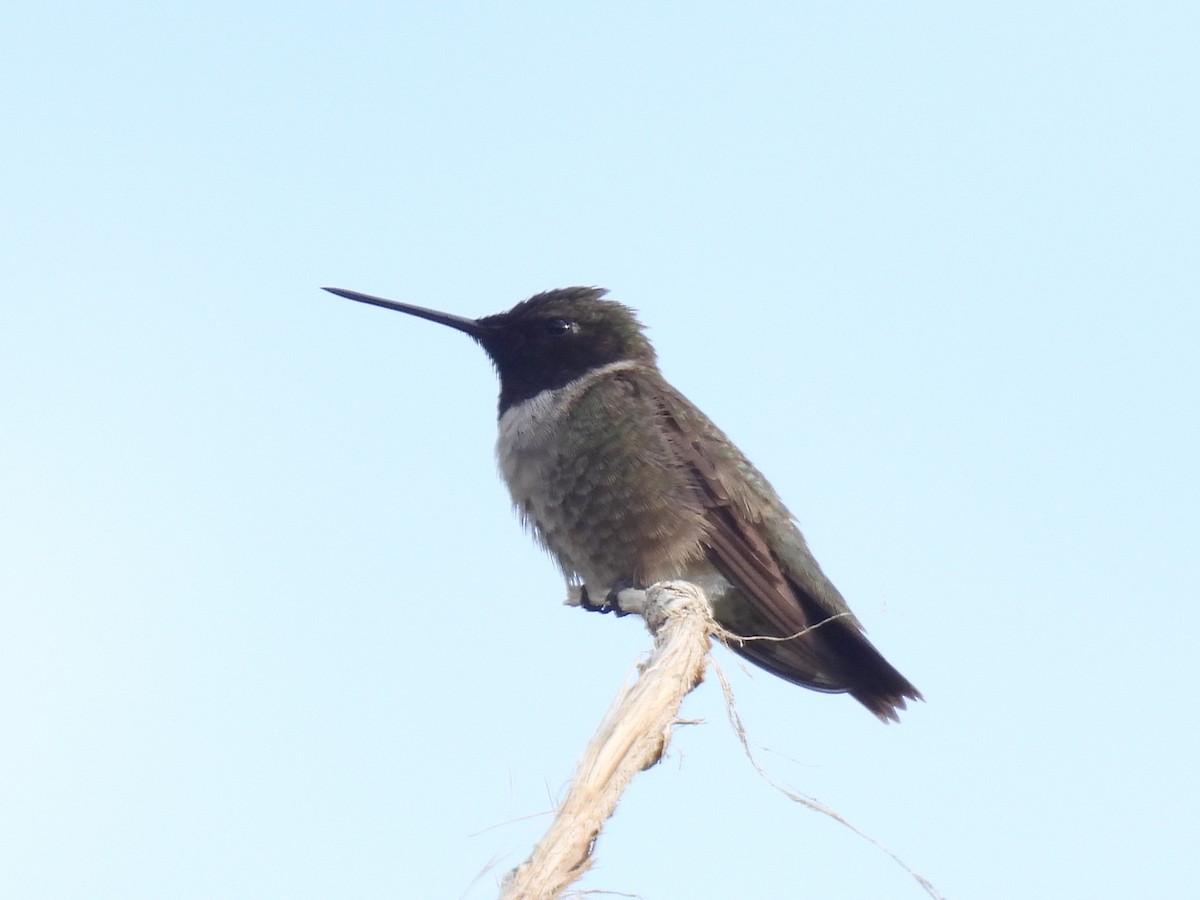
(559, 326)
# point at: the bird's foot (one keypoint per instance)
(622, 599)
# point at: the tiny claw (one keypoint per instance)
(612, 604)
(613, 600)
(585, 602)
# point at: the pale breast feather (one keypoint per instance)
(527, 451)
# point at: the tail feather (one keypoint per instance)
(835, 657)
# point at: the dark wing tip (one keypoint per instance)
(887, 706)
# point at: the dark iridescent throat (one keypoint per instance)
(553, 339)
(523, 378)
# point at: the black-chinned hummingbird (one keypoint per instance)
(627, 483)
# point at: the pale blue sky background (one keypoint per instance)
(267, 626)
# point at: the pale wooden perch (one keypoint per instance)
(632, 737)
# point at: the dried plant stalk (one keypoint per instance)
(632, 737)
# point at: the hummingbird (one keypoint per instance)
(627, 483)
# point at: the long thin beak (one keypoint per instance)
(459, 323)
